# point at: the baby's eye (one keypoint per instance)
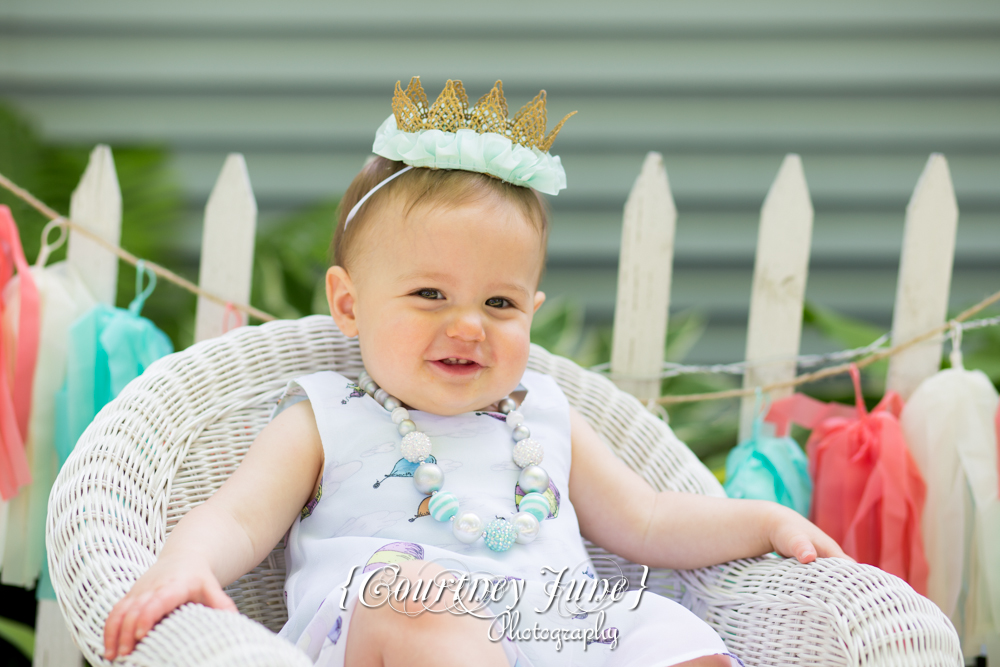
(430, 294)
(498, 302)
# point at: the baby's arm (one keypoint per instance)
(620, 511)
(228, 535)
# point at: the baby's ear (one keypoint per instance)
(539, 300)
(340, 297)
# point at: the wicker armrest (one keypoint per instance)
(197, 635)
(776, 611)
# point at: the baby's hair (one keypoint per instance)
(428, 187)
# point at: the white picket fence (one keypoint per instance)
(779, 282)
(644, 277)
(226, 270)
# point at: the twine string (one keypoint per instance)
(877, 355)
(125, 255)
(839, 369)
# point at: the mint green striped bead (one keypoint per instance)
(536, 504)
(443, 505)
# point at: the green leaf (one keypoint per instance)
(291, 257)
(849, 333)
(558, 327)
(18, 635)
(841, 328)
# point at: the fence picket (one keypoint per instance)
(924, 275)
(779, 284)
(227, 245)
(54, 646)
(644, 271)
(97, 204)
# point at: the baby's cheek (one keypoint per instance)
(514, 346)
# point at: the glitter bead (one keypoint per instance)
(514, 418)
(391, 403)
(520, 433)
(536, 504)
(533, 479)
(527, 527)
(467, 527)
(406, 427)
(528, 452)
(506, 405)
(499, 535)
(428, 478)
(416, 446)
(381, 395)
(399, 415)
(443, 505)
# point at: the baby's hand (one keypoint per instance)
(165, 586)
(792, 535)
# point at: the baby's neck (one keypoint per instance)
(517, 395)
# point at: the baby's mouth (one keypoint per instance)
(457, 365)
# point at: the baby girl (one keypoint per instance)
(447, 460)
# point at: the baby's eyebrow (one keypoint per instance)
(427, 275)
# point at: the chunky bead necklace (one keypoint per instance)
(499, 534)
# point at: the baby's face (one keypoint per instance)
(441, 302)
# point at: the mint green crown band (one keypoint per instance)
(487, 153)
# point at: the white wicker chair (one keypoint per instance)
(176, 433)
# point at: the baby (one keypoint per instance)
(437, 274)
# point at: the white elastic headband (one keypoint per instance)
(354, 211)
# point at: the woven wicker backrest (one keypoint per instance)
(180, 430)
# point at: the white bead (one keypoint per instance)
(381, 395)
(415, 447)
(533, 478)
(399, 414)
(527, 527)
(528, 452)
(467, 527)
(514, 418)
(428, 478)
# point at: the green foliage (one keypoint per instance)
(18, 635)
(708, 427)
(980, 347)
(981, 350)
(290, 262)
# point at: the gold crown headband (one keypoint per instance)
(450, 113)
(450, 135)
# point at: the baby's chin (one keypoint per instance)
(448, 403)
(451, 408)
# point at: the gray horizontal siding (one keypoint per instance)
(219, 63)
(863, 91)
(846, 124)
(434, 18)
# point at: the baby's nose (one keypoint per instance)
(467, 327)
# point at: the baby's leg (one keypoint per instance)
(404, 633)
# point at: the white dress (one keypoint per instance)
(369, 514)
